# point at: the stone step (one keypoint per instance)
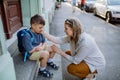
(23, 70)
(57, 74)
(28, 70)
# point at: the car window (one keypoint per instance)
(113, 2)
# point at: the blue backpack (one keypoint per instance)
(20, 36)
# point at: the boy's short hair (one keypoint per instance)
(37, 19)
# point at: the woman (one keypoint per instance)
(85, 57)
(83, 5)
(73, 5)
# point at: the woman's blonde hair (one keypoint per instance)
(74, 23)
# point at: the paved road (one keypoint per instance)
(105, 34)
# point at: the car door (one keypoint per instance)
(104, 8)
(98, 6)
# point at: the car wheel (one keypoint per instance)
(95, 12)
(86, 9)
(108, 17)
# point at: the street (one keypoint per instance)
(105, 34)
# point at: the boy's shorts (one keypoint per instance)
(36, 55)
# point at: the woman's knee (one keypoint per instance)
(71, 68)
(74, 70)
(68, 52)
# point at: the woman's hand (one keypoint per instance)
(42, 32)
(57, 49)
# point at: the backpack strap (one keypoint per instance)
(31, 34)
(26, 54)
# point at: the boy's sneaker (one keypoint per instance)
(46, 73)
(52, 65)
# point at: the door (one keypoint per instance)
(11, 16)
(103, 8)
(14, 15)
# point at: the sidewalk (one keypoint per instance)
(96, 29)
(105, 35)
(57, 29)
(57, 74)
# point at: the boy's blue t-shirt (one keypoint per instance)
(28, 45)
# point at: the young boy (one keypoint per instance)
(38, 49)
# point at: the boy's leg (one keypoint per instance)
(43, 59)
(50, 60)
(42, 56)
(51, 52)
(80, 70)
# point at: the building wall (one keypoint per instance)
(41, 7)
(7, 71)
(29, 8)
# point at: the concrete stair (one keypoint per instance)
(24, 70)
(57, 74)
(29, 70)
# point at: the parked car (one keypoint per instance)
(89, 5)
(64, 0)
(108, 9)
(79, 3)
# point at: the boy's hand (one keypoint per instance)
(39, 47)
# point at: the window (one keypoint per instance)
(113, 2)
